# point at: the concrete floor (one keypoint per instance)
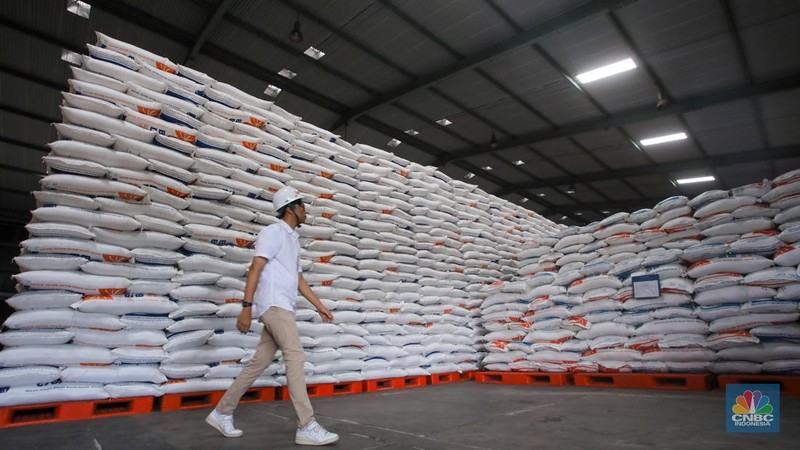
(464, 415)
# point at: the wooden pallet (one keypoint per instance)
(789, 384)
(668, 381)
(526, 378)
(12, 416)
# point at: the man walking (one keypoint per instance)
(272, 284)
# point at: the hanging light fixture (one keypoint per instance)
(493, 143)
(571, 189)
(295, 35)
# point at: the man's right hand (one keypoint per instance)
(244, 320)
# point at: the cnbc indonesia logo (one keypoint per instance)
(754, 411)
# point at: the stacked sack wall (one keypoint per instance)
(729, 278)
(159, 182)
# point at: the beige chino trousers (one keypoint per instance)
(280, 331)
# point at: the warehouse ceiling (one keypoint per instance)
(504, 72)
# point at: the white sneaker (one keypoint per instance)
(223, 423)
(314, 434)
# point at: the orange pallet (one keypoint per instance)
(326, 390)
(439, 378)
(395, 383)
(528, 378)
(790, 384)
(258, 395)
(190, 400)
(12, 416)
(669, 381)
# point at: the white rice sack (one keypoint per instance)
(101, 155)
(205, 354)
(732, 294)
(739, 226)
(49, 262)
(768, 351)
(87, 249)
(780, 192)
(717, 280)
(151, 179)
(747, 321)
(598, 281)
(773, 277)
(97, 78)
(118, 338)
(52, 393)
(136, 53)
(641, 215)
(734, 264)
(724, 205)
(787, 256)
(678, 354)
(119, 305)
(220, 236)
(789, 292)
(791, 233)
(92, 186)
(107, 124)
(76, 282)
(670, 203)
(35, 337)
(28, 375)
(53, 198)
(754, 189)
(133, 239)
(161, 126)
(760, 243)
(58, 355)
(673, 326)
(708, 197)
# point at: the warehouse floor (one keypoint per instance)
(464, 415)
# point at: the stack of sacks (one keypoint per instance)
(746, 276)
(159, 183)
(729, 279)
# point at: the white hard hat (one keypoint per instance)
(285, 196)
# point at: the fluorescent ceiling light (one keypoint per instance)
(79, 8)
(71, 57)
(287, 73)
(524, 199)
(563, 217)
(695, 180)
(662, 139)
(314, 53)
(578, 213)
(541, 194)
(394, 143)
(443, 122)
(519, 162)
(606, 212)
(469, 175)
(272, 90)
(411, 132)
(606, 71)
(487, 168)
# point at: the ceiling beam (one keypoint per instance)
(535, 34)
(205, 33)
(633, 116)
(791, 151)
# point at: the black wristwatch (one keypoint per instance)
(246, 304)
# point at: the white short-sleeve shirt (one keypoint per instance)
(277, 284)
